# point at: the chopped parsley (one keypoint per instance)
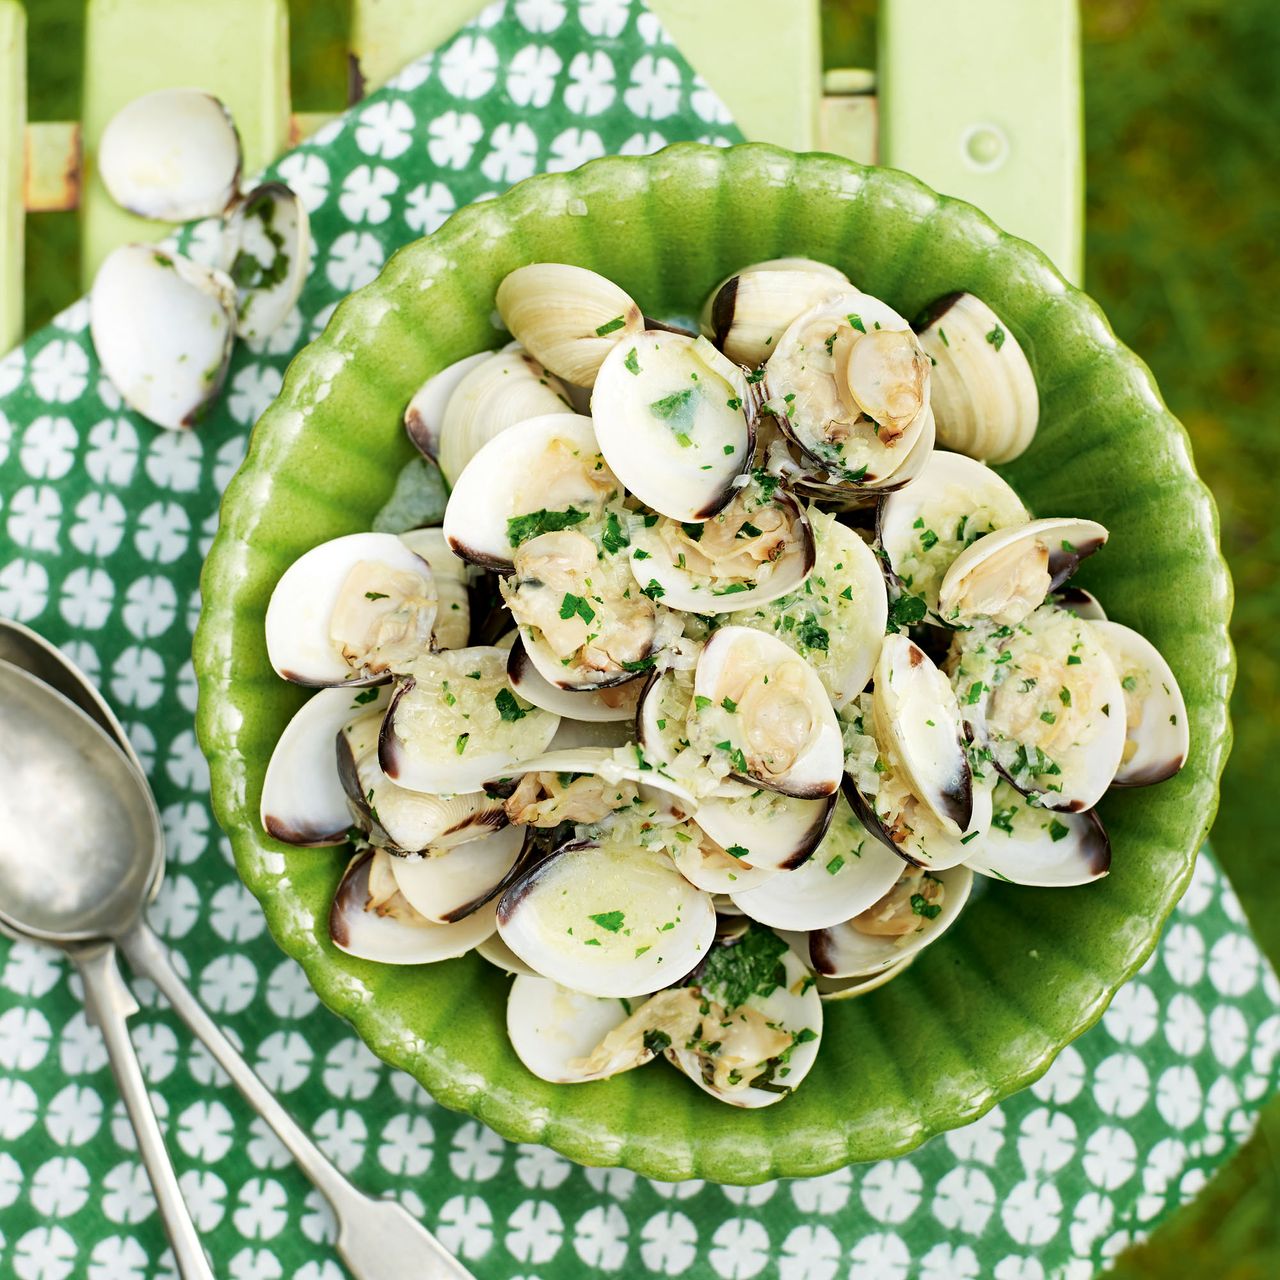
(364, 697)
(903, 612)
(996, 337)
(572, 605)
(655, 590)
(693, 530)
(835, 864)
(508, 708)
(728, 704)
(737, 851)
(654, 1040)
(749, 966)
(856, 321)
(376, 595)
(812, 634)
(640, 664)
(615, 536)
(976, 690)
(1064, 696)
(1057, 830)
(521, 528)
(631, 364)
(611, 921)
(610, 326)
(1129, 683)
(921, 906)
(460, 745)
(678, 410)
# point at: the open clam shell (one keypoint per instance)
(848, 872)
(850, 950)
(454, 722)
(451, 577)
(450, 884)
(707, 866)
(544, 474)
(303, 799)
(172, 155)
(568, 317)
(615, 702)
(834, 989)
(498, 954)
(163, 328)
(952, 503)
(675, 423)
(1157, 737)
(1007, 574)
(607, 919)
(763, 708)
(389, 930)
(506, 388)
(1029, 845)
(554, 1030)
(774, 1023)
(753, 551)
(983, 391)
(424, 414)
(747, 313)
(349, 611)
(1084, 604)
(849, 385)
(777, 831)
(916, 712)
(267, 243)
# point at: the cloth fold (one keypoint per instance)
(105, 524)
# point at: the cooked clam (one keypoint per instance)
(452, 626)
(424, 415)
(444, 885)
(370, 918)
(837, 622)
(568, 317)
(1007, 574)
(545, 475)
(761, 715)
(850, 386)
(612, 702)
(163, 328)
(756, 549)
(556, 1032)
(268, 252)
(848, 872)
(505, 388)
(454, 722)
(674, 419)
(1045, 700)
(608, 919)
(747, 313)
(1028, 844)
(303, 799)
(172, 155)
(1157, 734)
(915, 912)
(759, 1035)
(709, 866)
(983, 391)
(351, 611)
(922, 528)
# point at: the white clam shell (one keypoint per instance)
(498, 954)
(1160, 737)
(715, 872)
(983, 391)
(451, 575)
(424, 414)
(616, 703)
(297, 622)
(267, 247)
(172, 155)
(450, 885)
(390, 940)
(163, 328)
(844, 952)
(303, 799)
(779, 834)
(848, 872)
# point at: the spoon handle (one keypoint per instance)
(109, 1004)
(378, 1239)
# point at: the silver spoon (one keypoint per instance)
(108, 856)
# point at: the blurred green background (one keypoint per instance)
(1182, 127)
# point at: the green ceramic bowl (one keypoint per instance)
(982, 1013)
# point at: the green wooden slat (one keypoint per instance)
(236, 49)
(13, 115)
(767, 71)
(981, 99)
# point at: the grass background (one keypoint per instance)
(1182, 104)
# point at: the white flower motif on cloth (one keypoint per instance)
(105, 522)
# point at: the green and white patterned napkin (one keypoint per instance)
(105, 523)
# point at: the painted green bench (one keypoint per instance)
(980, 98)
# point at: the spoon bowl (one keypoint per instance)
(80, 839)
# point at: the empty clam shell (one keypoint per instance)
(832, 989)
(449, 885)
(608, 919)
(1007, 574)
(983, 391)
(498, 954)
(708, 866)
(913, 914)
(163, 328)
(303, 799)
(1084, 604)
(388, 930)
(173, 155)
(847, 873)
(1157, 737)
(268, 251)
(424, 415)
(673, 418)
(350, 611)
(454, 722)
(452, 626)
(568, 317)
(1027, 844)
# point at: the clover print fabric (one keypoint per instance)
(104, 522)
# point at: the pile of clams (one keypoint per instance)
(721, 681)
